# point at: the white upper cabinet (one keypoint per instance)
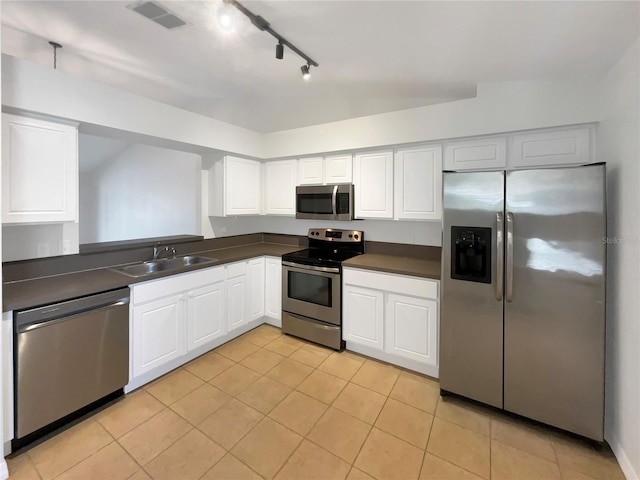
(310, 171)
(325, 170)
(373, 184)
(565, 146)
(418, 183)
(571, 145)
(280, 187)
(338, 169)
(39, 171)
(476, 153)
(235, 187)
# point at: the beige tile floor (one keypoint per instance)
(270, 406)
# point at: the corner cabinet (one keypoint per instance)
(373, 184)
(418, 183)
(280, 178)
(256, 294)
(394, 318)
(273, 291)
(237, 295)
(39, 171)
(235, 187)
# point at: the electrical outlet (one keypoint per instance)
(43, 250)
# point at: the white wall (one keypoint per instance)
(20, 242)
(141, 192)
(618, 144)
(498, 107)
(420, 233)
(35, 88)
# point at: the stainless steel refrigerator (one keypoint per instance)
(523, 293)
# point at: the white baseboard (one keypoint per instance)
(430, 370)
(627, 468)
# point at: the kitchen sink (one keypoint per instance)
(163, 265)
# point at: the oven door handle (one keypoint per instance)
(311, 267)
(334, 199)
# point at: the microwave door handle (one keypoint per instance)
(334, 198)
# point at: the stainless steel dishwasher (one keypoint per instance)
(68, 356)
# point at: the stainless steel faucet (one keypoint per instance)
(157, 251)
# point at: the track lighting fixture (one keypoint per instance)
(262, 24)
(305, 71)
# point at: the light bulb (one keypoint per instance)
(305, 72)
(224, 20)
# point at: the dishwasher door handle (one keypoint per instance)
(29, 327)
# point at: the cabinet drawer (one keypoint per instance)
(154, 289)
(391, 282)
(236, 269)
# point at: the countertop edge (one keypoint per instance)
(25, 294)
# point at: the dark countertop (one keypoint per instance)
(396, 264)
(31, 293)
(45, 290)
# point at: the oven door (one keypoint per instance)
(311, 291)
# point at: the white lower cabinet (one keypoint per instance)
(392, 318)
(175, 315)
(175, 319)
(236, 282)
(273, 291)
(411, 328)
(255, 277)
(205, 319)
(364, 307)
(158, 333)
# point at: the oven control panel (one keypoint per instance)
(335, 235)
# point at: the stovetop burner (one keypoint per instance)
(328, 247)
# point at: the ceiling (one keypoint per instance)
(374, 56)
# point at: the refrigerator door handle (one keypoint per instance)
(499, 256)
(509, 289)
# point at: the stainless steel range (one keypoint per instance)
(312, 285)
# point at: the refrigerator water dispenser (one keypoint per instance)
(471, 259)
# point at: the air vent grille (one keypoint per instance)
(159, 14)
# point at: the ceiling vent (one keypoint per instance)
(159, 14)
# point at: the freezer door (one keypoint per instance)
(471, 299)
(555, 297)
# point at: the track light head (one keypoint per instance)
(305, 72)
(279, 51)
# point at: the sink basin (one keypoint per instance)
(163, 265)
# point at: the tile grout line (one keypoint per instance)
(319, 418)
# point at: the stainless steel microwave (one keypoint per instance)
(325, 202)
